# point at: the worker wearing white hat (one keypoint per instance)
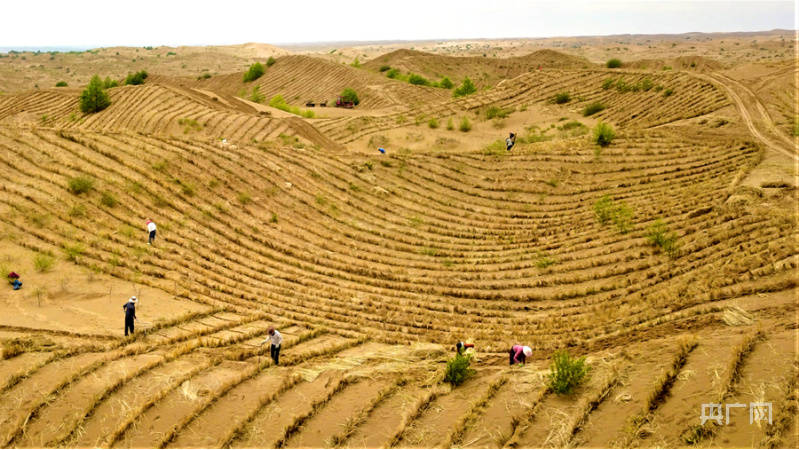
(130, 314)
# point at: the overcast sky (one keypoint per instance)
(180, 22)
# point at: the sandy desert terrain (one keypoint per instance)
(372, 265)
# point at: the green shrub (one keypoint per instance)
(94, 98)
(256, 95)
(204, 76)
(465, 125)
(109, 83)
(646, 84)
(385, 68)
(72, 252)
(273, 218)
(603, 134)
(77, 210)
(136, 78)
(497, 112)
(613, 63)
(668, 92)
(418, 80)
(450, 124)
(466, 88)
(432, 123)
(603, 209)
(459, 369)
(108, 199)
(660, 236)
(562, 97)
(446, 83)
(349, 95)
(270, 61)
(61, 84)
(254, 72)
(356, 63)
(80, 184)
(572, 128)
(566, 373)
(42, 262)
(280, 103)
(608, 83)
(393, 73)
(593, 108)
(244, 198)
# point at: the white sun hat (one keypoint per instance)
(528, 352)
(132, 299)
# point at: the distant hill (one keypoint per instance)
(483, 71)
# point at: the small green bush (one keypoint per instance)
(94, 98)
(603, 134)
(80, 184)
(459, 369)
(273, 218)
(432, 123)
(562, 97)
(109, 83)
(61, 84)
(445, 83)
(593, 108)
(466, 88)
(608, 83)
(256, 95)
(385, 68)
(244, 198)
(72, 252)
(349, 95)
(668, 92)
(393, 73)
(450, 124)
(660, 236)
(270, 61)
(42, 262)
(77, 210)
(606, 210)
(418, 80)
(204, 76)
(566, 373)
(108, 199)
(497, 112)
(465, 125)
(136, 78)
(254, 72)
(603, 209)
(613, 63)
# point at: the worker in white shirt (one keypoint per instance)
(151, 228)
(276, 340)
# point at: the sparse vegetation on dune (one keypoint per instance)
(268, 220)
(94, 98)
(254, 72)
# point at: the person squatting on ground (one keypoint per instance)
(519, 354)
(276, 340)
(151, 229)
(130, 314)
(510, 141)
(13, 279)
(460, 347)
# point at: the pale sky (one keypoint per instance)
(180, 22)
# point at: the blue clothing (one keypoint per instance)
(16, 284)
(130, 310)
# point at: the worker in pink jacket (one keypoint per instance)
(519, 354)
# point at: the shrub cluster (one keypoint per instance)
(566, 373)
(94, 98)
(466, 88)
(606, 210)
(459, 369)
(660, 236)
(270, 61)
(61, 84)
(603, 134)
(496, 112)
(593, 108)
(644, 84)
(80, 184)
(561, 98)
(465, 125)
(254, 72)
(613, 63)
(349, 95)
(136, 78)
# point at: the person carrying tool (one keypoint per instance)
(276, 340)
(510, 141)
(519, 354)
(130, 314)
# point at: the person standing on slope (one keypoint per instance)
(276, 340)
(510, 141)
(461, 346)
(130, 314)
(151, 229)
(519, 354)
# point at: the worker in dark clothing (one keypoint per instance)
(130, 314)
